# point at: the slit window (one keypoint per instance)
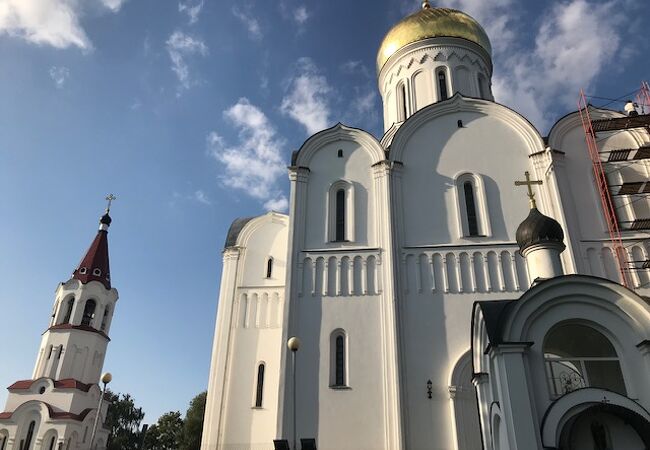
(259, 392)
(269, 267)
(340, 215)
(401, 103)
(340, 361)
(442, 85)
(107, 310)
(470, 205)
(52, 442)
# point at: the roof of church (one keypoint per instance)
(234, 230)
(94, 265)
(493, 314)
(538, 228)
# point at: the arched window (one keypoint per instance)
(68, 312)
(473, 218)
(89, 312)
(52, 442)
(338, 358)
(3, 440)
(30, 436)
(269, 267)
(442, 85)
(482, 86)
(578, 356)
(340, 215)
(401, 103)
(259, 392)
(107, 310)
(470, 209)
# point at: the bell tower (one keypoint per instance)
(428, 57)
(56, 407)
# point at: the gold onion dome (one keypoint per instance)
(431, 22)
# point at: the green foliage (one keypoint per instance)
(166, 433)
(173, 433)
(123, 419)
(193, 425)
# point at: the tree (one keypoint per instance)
(123, 419)
(193, 424)
(166, 433)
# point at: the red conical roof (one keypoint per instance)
(94, 265)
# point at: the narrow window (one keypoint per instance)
(340, 215)
(340, 153)
(401, 103)
(3, 442)
(85, 435)
(481, 87)
(470, 206)
(89, 313)
(269, 267)
(49, 355)
(60, 351)
(52, 442)
(105, 318)
(340, 361)
(260, 386)
(68, 312)
(442, 84)
(30, 435)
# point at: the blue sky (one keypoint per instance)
(188, 111)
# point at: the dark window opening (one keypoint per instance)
(340, 215)
(340, 153)
(30, 435)
(260, 386)
(49, 355)
(269, 268)
(3, 442)
(60, 352)
(105, 318)
(470, 207)
(89, 313)
(52, 442)
(442, 84)
(340, 361)
(68, 313)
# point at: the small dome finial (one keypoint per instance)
(106, 220)
(426, 4)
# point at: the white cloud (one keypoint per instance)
(180, 46)
(193, 10)
(301, 15)
(279, 204)
(50, 22)
(573, 45)
(59, 75)
(202, 197)
(250, 22)
(355, 67)
(307, 101)
(255, 163)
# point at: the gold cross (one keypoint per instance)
(529, 183)
(110, 198)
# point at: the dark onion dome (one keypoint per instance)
(538, 229)
(106, 220)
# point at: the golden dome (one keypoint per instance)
(428, 23)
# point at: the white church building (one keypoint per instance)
(56, 409)
(438, 307)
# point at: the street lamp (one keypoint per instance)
(294, 344)
(106, 378)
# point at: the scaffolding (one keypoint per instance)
(608, 191)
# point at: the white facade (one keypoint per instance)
(56, 408)
(387, 246)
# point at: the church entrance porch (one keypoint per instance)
(606, 427)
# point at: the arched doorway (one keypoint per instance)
(606, 427)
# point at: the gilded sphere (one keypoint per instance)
(429, 23)
(293, 343)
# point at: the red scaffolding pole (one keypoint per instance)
(602, 185)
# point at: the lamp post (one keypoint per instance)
(106, 378)
(294, 344)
